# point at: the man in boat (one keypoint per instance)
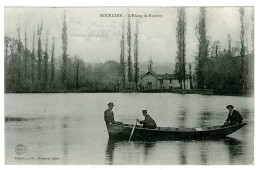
(109, 115)
(234, 117)
(148, 121)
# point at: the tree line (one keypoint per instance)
(41, 70)
(224, 70)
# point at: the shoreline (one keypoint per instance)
(173, 91)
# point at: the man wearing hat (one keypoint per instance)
(148, 122)
(234, 117)
(109, 115)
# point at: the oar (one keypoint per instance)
(132, 130)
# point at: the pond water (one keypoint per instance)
(70, 129)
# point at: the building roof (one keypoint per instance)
(163, 76)
(151, 73)
(167, 76)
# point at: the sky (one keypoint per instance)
(96, 38)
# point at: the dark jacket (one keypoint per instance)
(148, 122)
(235, 118)
(109, 117)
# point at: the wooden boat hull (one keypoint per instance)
(123, 131)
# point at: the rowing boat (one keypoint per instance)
(123, 131)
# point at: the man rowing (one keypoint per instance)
(148, 121)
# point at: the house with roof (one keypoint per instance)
(151, 80)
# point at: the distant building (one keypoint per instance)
(151, 80)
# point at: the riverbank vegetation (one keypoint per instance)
(224, 70)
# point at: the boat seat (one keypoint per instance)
(187, 129)
(181, 129)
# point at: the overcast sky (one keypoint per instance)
(157, 35)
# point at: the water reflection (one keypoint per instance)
(110, 151)
(147, 150)
(235, 148)
(132, 151)
(182, 117)
(148, 147)
(204, 148)
(64, 138)
(182, 146)
(204, 118)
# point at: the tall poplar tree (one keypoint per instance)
(33, 61)
(136, 55)
(122, 56)
(52, 63)
(252, 30)
(180, 69)
(64, 50)
(39, 53)
(202, 57)
(242, 47)
(129, 59)
(26, 51)
(19, 50)
(46, 58)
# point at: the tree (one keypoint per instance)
(202, 57)
(229, 44)
(236, 48)
(252, 31)
(190, 77)
(6, 40)
(136, 54)
(25, 56)
(14, 84)
(6, 60)
(39, 51)
(46, 58)
(52, 63)
(215, 49)
(77, 77)
(19, 50)
(181, 45)
(210, 64)
(129, 43)
(33, 61)
(64, 50)
(242, 49)
(122, 56)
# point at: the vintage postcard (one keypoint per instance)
(129, 85)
